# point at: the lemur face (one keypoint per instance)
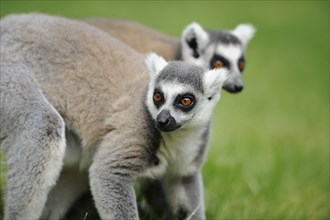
(218, 49)
(181, 95)
(174, 104)
(231, 57)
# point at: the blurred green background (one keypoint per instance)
(269, 153)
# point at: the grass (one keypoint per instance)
(269, 153)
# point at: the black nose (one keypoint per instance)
(166, 122)
(163, 121)
(163, 118)
(238, 88)
(233, 88)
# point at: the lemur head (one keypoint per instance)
(218, 49)
(181, 95)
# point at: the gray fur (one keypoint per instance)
(59, 74)
(224, 37)
(32, 135)
(90, 79)
(184, 74)
(140, 37)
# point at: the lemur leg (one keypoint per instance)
(154, 194)
(73, 181)
(32, 137)
(71, 185)
(34, 161)
(195, 193)
(185, 197)
(116, 164)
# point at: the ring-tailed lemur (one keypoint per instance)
(208, 48)
(79, 110)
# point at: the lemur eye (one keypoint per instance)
(158, 98)
(218, 64)
(241, 65)
(186, 101)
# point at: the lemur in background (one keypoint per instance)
(208, 48)
(79, 109)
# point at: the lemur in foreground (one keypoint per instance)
(208, 48)
(79, 109)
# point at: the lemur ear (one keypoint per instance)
(244, 32)
(155, 63)
(213, 81)
(195, 38)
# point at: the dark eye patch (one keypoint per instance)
(158, 98)
(241, 63)
(178, 103)
(218, 57)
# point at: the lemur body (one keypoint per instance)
(208, 48)
(77, 112)
(140, 37)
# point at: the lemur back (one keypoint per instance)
(207, 48)
(69, 85)
(79, 56)
(142, 38)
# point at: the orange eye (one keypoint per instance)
(158, 98)
(218, 64)
(186, 102)
(241, 65)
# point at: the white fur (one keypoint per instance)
(244, 32)
(179, 148)
(71, 185)
(171, 90)
(72, 154)
(204, 107)
(155, 63)
(76, 156)
(232, 53)
(214, 80)
(53, 166)
(177, 153)
(194, 30)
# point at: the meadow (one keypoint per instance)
(269, 153)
